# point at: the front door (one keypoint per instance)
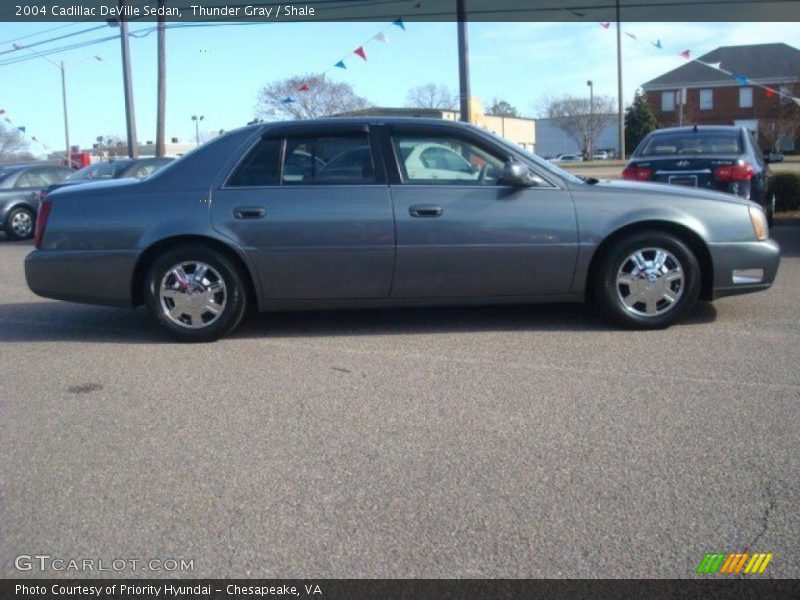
(314, 214)
(462, 233)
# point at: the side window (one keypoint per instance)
(31, 179)
(260, 166)
(328, 160)
(435, 159)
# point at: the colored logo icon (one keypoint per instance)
(734, 563)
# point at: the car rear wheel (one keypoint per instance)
(195, 294)
(20, 223)
(648, 281)
(769, 209)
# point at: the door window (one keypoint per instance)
(437, 159)
(32, 179)
(332, 159)
(260, 167)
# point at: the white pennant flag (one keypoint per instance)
(380, 37)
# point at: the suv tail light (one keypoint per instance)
(734, 172)
(41, 220)
(634, 173)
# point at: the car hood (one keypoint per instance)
(662, 189)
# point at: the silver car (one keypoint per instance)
(389, 212)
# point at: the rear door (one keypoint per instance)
(462, 233)
(312, 208)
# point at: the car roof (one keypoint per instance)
(692, 128)
(370, 120)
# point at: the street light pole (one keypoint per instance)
(197, 120)
(463, 61)
(590, 83)
(162, 83)
(620, 104)
(66, 120)
(130, 117)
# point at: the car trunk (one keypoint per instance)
(692, 171)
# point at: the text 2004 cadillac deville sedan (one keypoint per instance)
(387, 212)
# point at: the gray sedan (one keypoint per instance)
(389, 212)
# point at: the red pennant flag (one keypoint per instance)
(686, 54)
(605, 25)
(303, 88)
(770, 92)
(361, 52)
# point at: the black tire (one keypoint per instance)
(12, 223)
(232, 300)
(609, 293)
(769, 208)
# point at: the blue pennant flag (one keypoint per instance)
(340, 64)
(400, 24)
(741, 79)
(21, 128)
(288, 100)
(658, 44)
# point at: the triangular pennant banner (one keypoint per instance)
(687, 54)
(361, 52)
(796, 101)
(630, 35)
(657, 44)
(2, 112)
(288, 100)
(380, 37)
(605, 25)
(303, 88)
(577, 14)
(399, 23)
(770, 92)
(741, 79)
(340, 64)
(715, 65)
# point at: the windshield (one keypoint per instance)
(693, 142)
(108, 170)
(540, 162)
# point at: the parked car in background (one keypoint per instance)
(20, 186)
(139, 168)
(724, 158)
(369, 223)
(600, 155)
(567, 158)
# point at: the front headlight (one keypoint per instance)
(759, 221)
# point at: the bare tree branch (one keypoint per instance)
(580, 121)
(13, 145)
(323, 98)
(432, 95)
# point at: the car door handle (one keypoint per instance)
(249, 212)
(425, 210)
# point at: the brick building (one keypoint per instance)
(712, 97)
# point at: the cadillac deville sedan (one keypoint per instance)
(373, 212)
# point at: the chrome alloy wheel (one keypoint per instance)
(193, 294)
(22, 224)
(650, 282)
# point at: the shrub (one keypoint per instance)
(786, 187)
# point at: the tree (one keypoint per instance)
(432, 95)
(13, 145)
(785, 124)
(110, 146)
(324, 97)
(501, 108)
(579, 119)
(640, 119)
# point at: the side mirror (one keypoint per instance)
(518, 174)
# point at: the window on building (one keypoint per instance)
(667, 101)
(745, 97)
(706, 99)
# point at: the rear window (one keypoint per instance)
(693, 142)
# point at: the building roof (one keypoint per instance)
(771, 62)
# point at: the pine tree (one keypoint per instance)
(640, 119)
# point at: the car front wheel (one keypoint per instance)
(648, 281)
(195, 294)
(20, 223)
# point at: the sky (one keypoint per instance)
(217, 71)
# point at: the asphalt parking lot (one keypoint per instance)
(481, 442)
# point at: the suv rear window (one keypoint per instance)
(693, 142)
